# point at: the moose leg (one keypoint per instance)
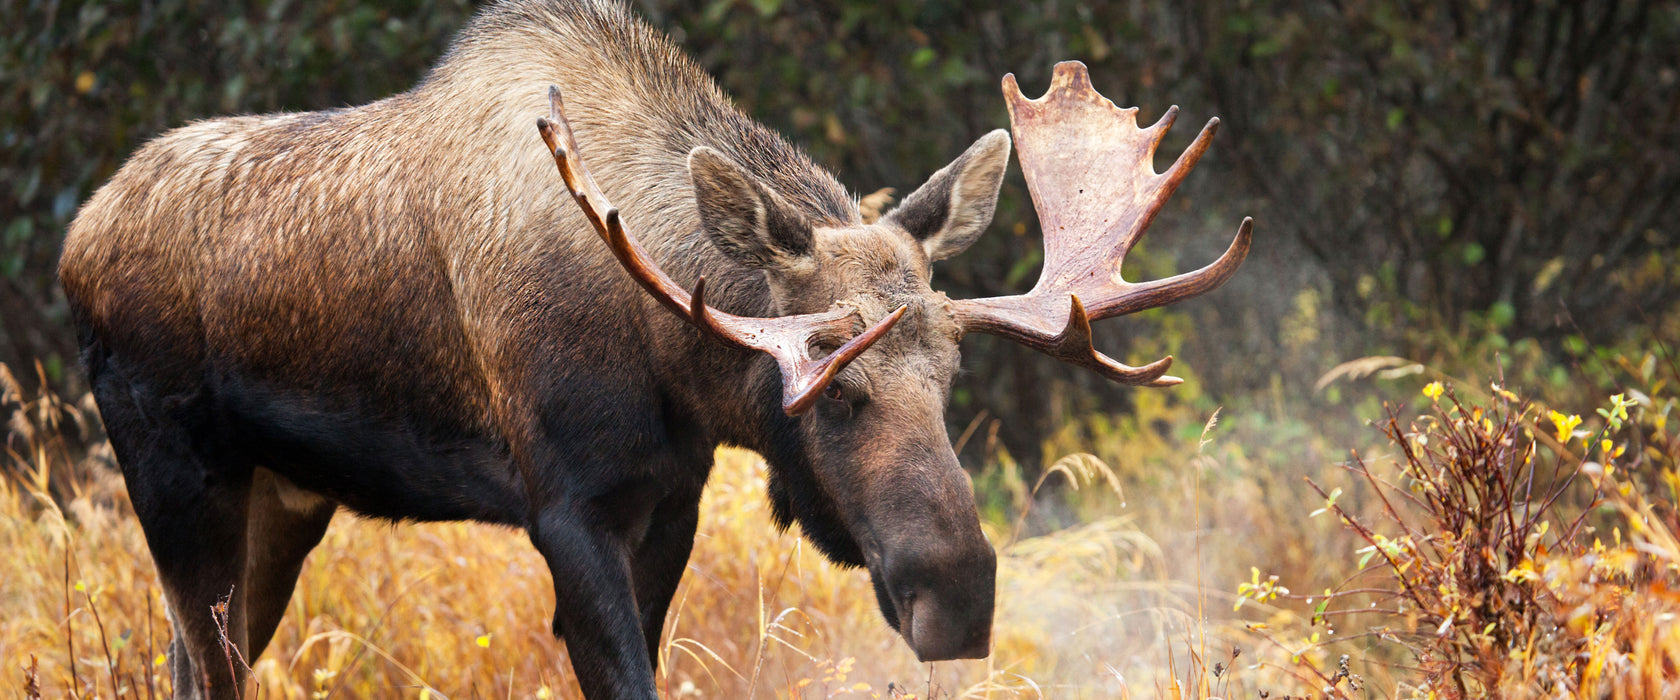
(285, 525)
(660, 562)
(197, 543)
(595, 608)
(192, 510)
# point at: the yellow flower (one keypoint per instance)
(1432, 390)
(483, 641)
(1565, 425)
(1522, 573)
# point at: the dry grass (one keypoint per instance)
(461, 610)
(1486, 551)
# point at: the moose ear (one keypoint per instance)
(743, 218)
(955, 205)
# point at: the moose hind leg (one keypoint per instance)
(284, 526)
(193, 512)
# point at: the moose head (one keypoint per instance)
(867, 348)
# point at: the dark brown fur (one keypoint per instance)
(397, 308)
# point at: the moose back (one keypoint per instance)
(402, 309)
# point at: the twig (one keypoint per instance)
(146, 664)
(111, 665)
(69, 625)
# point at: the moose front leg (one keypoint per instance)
(660, 561)
(595, 606)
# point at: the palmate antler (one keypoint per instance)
(786, 338)
(1090, 171)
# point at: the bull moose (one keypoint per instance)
(395, 309)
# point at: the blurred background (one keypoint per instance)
(1427, 179)
(1473, 193)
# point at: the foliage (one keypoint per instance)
(1513, 545)
(1420, 173)
(1503, 157)
(1512, 552)
(1441, 191)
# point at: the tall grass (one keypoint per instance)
(461, 610)
(1482, 545)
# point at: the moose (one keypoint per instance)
(394, 309)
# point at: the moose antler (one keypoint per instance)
(786, 338)
(1090, 171)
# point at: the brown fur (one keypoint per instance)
(398, 308)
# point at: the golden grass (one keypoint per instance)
(461, 610)
(1440, 582)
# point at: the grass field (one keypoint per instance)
(1485, 547)
(461, 610)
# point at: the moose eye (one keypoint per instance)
(833, 393)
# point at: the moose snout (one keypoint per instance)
(935, 574)
(945, 627)
(944, 602)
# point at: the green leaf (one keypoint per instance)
(1265, 48)
(1474, 253)
(1370, 551)
(1329, 502)
(1022, 268)
(1395, 117)
(18, 231)
(922, 57)
(1501, 314)
(1318, 613)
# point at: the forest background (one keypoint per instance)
(1477, 190)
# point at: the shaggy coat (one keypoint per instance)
(397, 308)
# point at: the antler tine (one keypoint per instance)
(1191, 155)
(603, 216)
(798, 397)
(786, 338)
(1074, 345)
(804, 378)
(1161, 292)
(557, 133)
(1090, 170)
(1167, 182)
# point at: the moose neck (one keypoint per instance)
(638, 106)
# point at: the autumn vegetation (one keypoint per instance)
(1427, 446)
(1483, 543)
